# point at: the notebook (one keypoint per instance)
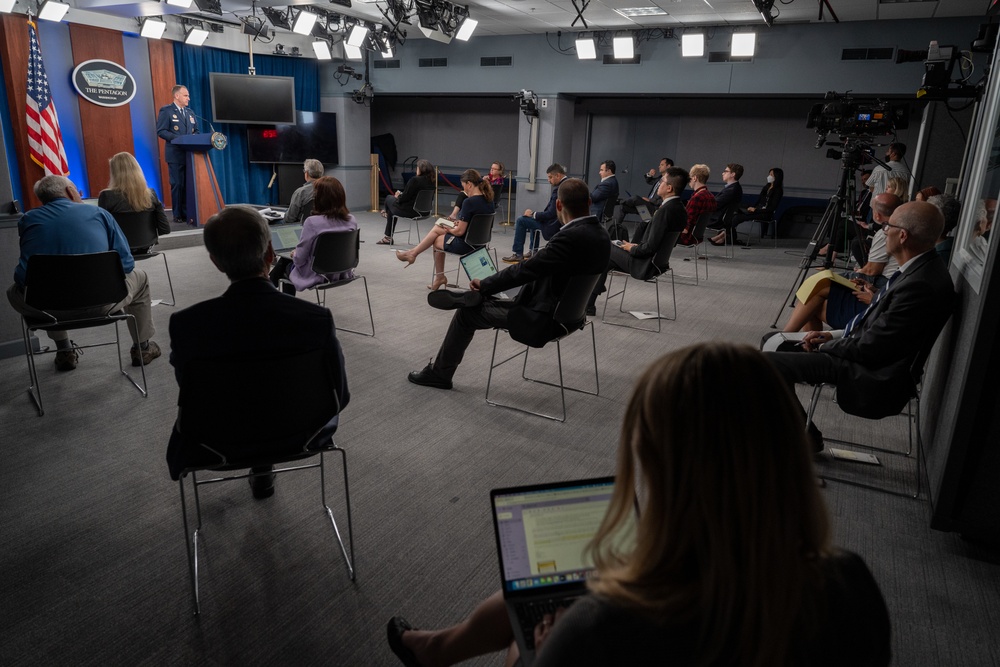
(284, 238)
(479, 265)
(542, 533)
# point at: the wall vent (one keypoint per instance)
(433, 62)
(496, 61)
(724, 57)
(611, 60)
(386, 64)
(881, 53)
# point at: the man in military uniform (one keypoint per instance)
(176, 120)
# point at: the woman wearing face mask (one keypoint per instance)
(767, 204)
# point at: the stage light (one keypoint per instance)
(352, 52)
(744, 44)
(304, 23)
(624, 47)
(6, 6)
(693, 44)
(180, 3)
(52, 10)
(277, 17)
(195, 36)
(153, 28)
(322, 50)
(466, 29)
(586, 49)
(358, 35)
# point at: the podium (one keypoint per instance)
(204, 198)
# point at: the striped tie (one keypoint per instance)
(858, 319)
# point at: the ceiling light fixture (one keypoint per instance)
(153, 28)
(693, 44)
(304, 22)
(51, 10)
(322, 50)
(180, 3)
(277, 17)
(195, 36)
(352, 52)
(358, 34)
(466, 29)
(634, 12)
(624, 47)
(586, 49)
(744, 44)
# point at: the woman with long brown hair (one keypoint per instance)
(128, 192)
(731, 562)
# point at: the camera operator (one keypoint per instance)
(894, 168)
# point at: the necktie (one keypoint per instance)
(858, 319)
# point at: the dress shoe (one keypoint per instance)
(529, 254)
(262, 485)
(591, 311)
(451, 299)
(148, 353)
(394, 631)
(428, 378)
(404, 257)
(439, 282)
(66, 360)
(714, 242)
(513, 259)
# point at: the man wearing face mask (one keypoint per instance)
(879, 179)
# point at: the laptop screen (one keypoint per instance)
(285, 237)
(478, 264)
(543, 531)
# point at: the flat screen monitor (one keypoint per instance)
(253, 100)
(313, 136)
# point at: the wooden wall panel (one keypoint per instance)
(162, 79)
(14, 60)
(106, 130)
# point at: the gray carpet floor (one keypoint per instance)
(93, 553)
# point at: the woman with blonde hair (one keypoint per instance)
(731, 563)
(899, 187)
(128, 192)
(479, 199)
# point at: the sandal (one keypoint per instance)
(386, 240)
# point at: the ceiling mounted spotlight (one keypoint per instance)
(51, 10)
(693, 44)
(466, 29)
(304, 22)
(352, 52)
(624, 47)
(322, 50)
(277, 17)
(765, 7)
(744, 44)
(152, 28)
(357, 36)
(210, 6)
(586, 49)
(195, 36)
(180, 3)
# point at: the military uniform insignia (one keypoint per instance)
(176, 128)
(175, 116)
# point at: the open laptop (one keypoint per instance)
(284, 238)
(479, 264)
(542, 533)
(644, 214)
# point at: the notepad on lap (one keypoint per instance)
(818, 281)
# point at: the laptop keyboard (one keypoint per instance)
(530, 614)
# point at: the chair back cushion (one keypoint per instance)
(699, 227)
(139, 228)
(535, 328)
(480, 230)
(229, 415)
(336, 252)
(661, 260)
(424, 202)
(74, 282)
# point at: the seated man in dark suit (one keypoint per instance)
(580, 247)
(637, 258)
(632, 204)
(545, 220)
(728, 201)
(606, 192)
(870, 360)
(251, 318)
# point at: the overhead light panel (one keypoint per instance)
(195, 36)
(358, 35)
(586, 49)
(624, 47)
(153, 28)
(322, 50)
(6, 6)
(636, 12)
(180, 3)
(466, 29)
(51, 10)
(693, 44)
(744, 44)
(304, 22)
(352, 52)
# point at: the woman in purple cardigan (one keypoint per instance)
(329, 214)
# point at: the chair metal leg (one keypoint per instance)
(621, 306)
(34, 391)
(191, 540)
(348, 559)
(142, 366)
(170, 283)
(371, 318)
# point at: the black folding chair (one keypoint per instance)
(139, 228)
(423, 205)
(660, 266)
(478, 234)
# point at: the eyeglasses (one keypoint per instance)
(727, 171)
(889, 224)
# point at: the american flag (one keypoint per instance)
(44, 138)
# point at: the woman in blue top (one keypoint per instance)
(479, 199)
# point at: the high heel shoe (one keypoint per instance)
(403, 257)
(439, 282)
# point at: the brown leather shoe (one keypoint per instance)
(151, 352)
(66, 360)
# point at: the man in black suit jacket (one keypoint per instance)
(251, 318)
(636, 259)
(176, 120)
(606, 192)
(580, 247)
(727, 202)
(871, 360)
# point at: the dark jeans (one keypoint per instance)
(631, 205)
(281, 270)
(393, 209)
(808, 368)
(489, 314)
